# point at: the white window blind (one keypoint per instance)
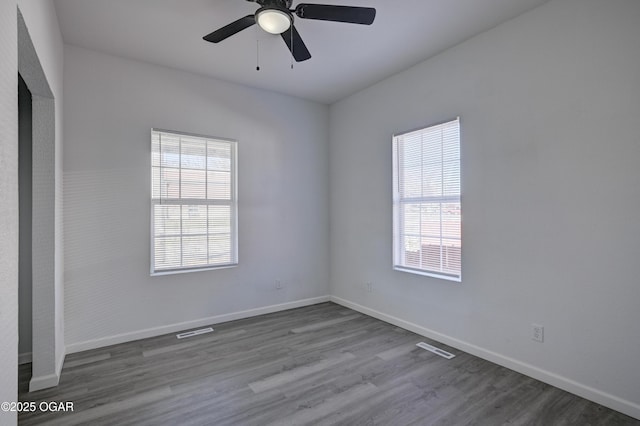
(427, 214)
(193, 202)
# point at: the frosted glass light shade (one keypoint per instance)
(274, 21)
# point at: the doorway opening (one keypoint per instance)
(47, 301)
(25, 204)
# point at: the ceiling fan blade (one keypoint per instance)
(299, 49)
(228, 30)
(326, 12)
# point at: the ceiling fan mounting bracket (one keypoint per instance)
(280, 4)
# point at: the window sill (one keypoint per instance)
(186, 271)
(428, 274)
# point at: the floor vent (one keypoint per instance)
(435, 350)
(194, 333)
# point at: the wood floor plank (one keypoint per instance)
(329, 406)
(324, 324)
(318, 365)
(87, 360)
(298, 373)
(396, 351)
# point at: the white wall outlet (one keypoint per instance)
(369, 286)
(537, 332)
(279, 285)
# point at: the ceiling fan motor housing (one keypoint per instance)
(286, 4)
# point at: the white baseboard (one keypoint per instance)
(47, 381)
(172, 328)
(43, 382)
(627, 407)
(24, 358)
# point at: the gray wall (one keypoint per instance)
(111, 104)
(8, 210)
(549, 105)
(25, 205)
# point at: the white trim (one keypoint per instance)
(172, 328)
(49, 380)
(44, 382)
(196, 135)
(186, 271)
(439, 123)
(25, 358)
(427, 273)
(622, 405)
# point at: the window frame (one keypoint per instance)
(398, 201)
(232, 202)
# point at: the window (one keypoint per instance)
(426, 201)
(193, 202)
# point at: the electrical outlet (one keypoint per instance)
(279, 285)
(537, 333)
(369, 287)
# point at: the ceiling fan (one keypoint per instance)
(276, 17)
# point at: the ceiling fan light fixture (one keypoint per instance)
(273, 21)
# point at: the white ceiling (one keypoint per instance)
(345, 57)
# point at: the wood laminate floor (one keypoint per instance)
(322, 364)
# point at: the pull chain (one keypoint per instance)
(257, 55)
(291, 46)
